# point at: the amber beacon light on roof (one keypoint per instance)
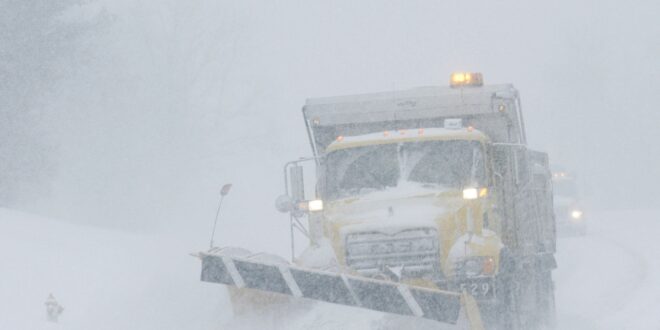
(465, 79)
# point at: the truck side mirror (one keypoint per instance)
(284, 204)
(511, 159)
(501, 161)
(296, 183)
(521, 163)
(296, 190)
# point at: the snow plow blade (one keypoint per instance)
(243, 270)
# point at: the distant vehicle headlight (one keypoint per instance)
(576, 214)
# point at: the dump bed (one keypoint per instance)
(493, 109)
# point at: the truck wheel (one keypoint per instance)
(547, 307)
(503, 314)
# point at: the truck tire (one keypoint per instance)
(504, 313)
(547, 307)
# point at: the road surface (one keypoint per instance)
(114, 280)
(610, 279)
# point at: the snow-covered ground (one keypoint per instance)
(610, 279)
(104, 279)
(115, 280)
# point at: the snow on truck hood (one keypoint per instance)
(392, 210)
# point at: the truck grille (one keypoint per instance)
(371, 253)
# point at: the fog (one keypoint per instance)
(166, 101)
(148, 108)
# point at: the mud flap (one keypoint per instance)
(243, 271)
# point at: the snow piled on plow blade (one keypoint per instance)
(218, 266)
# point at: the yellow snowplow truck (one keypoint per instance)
(426, 201)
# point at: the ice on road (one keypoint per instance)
(114, 280)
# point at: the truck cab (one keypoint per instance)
(409, 205)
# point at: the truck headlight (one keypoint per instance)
(474, 193)
(315, 205)
(470, 193)
(310, 206)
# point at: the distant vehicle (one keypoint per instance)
(569, 213)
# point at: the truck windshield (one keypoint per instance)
(435, 164)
